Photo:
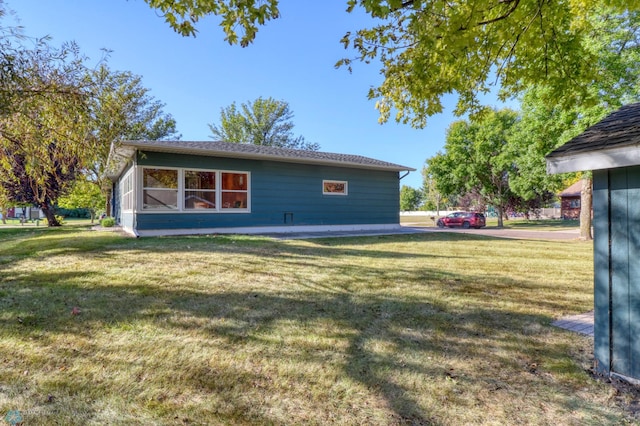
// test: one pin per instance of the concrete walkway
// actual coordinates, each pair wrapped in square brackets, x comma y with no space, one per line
[582,323]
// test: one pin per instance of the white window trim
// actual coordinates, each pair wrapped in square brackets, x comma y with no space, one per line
[139,185]
[343,194]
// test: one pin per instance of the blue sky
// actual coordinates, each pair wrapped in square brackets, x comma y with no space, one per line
[292,60]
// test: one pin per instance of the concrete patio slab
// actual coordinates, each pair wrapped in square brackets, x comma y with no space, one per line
[581,323]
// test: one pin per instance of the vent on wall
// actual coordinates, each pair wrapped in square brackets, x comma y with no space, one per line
[288,218]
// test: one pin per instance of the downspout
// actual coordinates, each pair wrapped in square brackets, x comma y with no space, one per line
[404,175]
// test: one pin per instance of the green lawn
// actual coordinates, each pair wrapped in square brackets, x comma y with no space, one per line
[441,329]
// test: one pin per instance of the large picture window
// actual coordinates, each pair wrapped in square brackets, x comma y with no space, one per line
[234,190]
[160,189]
[199,190]
[194,190]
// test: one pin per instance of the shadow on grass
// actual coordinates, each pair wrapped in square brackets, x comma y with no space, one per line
[385,336]
[242,320]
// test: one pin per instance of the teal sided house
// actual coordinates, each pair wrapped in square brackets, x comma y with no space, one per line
[176,187]
[611,149]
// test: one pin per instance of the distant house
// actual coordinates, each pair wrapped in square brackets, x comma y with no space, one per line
[570,201]
[176,187]
[27,212]
[611,149]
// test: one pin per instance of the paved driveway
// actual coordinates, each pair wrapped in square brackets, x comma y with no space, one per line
[491,232]
[517,233]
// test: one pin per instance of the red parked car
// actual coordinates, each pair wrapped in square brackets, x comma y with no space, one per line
[464,219]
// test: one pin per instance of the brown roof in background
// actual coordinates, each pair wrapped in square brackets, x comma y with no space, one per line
[573,191]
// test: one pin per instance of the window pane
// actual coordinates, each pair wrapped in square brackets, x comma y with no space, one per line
[234,181]
[160,178]
[199,200]
[334,187]
[160,199]
[199,180]
[234,200]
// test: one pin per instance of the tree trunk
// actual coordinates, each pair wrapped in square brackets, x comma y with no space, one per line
[500,213]
[49,213]
[4,211]
[585,209]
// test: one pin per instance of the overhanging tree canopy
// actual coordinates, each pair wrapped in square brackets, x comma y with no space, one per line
[429,48]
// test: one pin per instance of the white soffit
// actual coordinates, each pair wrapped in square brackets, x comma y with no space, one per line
[595,160]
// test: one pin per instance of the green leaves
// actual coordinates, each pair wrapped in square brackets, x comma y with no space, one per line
[476,158]
[83,194]
[261,122]
[410,198]
[239,18]
[58,119]
[427,49]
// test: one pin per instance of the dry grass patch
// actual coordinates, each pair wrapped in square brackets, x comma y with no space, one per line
[441,329]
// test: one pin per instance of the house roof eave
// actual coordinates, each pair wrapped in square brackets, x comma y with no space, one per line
[119,158]
[599,159]
[124,151]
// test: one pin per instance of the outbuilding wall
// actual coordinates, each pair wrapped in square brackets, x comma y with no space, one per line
[283,194]
[616,202]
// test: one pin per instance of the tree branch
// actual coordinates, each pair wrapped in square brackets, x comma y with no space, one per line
[503,16]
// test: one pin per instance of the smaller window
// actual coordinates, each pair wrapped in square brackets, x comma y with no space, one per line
[574,204]
[334,187]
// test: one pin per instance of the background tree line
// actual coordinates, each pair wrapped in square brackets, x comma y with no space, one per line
[568,61]
[59,117]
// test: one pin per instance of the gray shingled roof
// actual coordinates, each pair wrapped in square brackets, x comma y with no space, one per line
[125,149]
[621,128]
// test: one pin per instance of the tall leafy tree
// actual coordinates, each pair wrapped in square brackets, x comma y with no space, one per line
[83,194]
[476,159]
[429,48]
[121,108]
[58,118]
[261,122]
[43,131]
[546,125]
[410,198]
[431,195]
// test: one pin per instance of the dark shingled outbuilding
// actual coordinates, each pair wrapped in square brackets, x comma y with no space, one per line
[612,142]
[611,149]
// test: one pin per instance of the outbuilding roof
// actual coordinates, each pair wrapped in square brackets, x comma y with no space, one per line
[123,151]
[612,142]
